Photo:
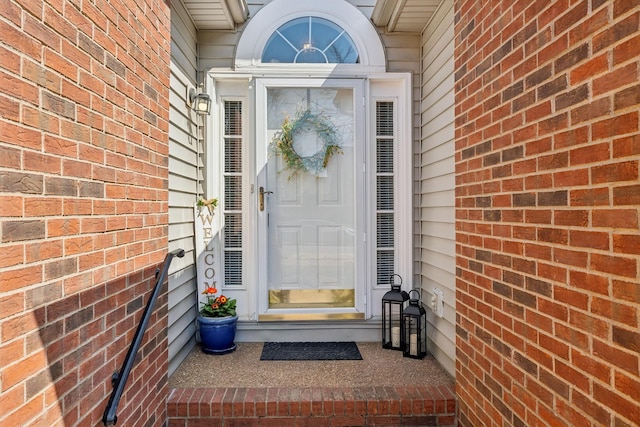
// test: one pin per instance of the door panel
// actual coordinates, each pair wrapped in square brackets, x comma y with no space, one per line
[311,216]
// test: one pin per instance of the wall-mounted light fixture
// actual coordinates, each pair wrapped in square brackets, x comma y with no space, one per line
[200,102]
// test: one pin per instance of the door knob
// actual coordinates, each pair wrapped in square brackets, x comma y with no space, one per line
[261,194]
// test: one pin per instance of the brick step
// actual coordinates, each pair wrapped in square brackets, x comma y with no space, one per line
[322,407]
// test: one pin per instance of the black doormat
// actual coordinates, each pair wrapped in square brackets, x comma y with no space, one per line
[310,351]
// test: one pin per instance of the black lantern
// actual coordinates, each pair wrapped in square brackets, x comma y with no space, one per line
[414,328]
[393,303]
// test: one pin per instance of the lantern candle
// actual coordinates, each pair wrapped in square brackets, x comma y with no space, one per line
[413,344]
[395,336]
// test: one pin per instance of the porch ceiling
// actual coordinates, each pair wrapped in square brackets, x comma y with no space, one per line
[404,16]
[217,14]
[394,15]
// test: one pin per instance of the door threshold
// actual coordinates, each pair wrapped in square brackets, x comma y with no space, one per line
[293,317]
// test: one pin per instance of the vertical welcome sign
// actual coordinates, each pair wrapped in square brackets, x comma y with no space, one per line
[206,241]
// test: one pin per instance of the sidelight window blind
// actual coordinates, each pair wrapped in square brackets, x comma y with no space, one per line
[232,207]
[385,204]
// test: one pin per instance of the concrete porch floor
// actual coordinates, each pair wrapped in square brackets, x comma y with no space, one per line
[383,388]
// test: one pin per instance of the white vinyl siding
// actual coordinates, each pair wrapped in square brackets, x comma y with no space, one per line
[183,40]
[184,180]
[436,239]
[217,48]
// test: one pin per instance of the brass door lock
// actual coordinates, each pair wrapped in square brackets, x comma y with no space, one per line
[261,194]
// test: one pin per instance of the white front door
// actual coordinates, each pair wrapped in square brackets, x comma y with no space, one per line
[310,204]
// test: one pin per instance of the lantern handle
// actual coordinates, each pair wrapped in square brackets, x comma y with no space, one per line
[392,279]
[416,291]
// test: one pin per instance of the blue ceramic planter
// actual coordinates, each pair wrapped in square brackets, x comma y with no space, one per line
[217,334]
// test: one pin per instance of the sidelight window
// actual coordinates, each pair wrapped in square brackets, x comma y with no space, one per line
[385,204]
[232,207]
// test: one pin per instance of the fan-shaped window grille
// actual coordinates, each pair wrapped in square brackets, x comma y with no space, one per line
[310,40]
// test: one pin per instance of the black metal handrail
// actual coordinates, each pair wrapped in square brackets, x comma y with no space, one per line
[119,379]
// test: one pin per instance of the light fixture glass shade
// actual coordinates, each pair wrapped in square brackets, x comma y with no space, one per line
[202,103]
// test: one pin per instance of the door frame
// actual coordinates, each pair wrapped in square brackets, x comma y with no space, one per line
[265,313]
[225,84]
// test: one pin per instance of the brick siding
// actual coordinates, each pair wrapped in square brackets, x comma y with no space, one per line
[83,207]
[547,207]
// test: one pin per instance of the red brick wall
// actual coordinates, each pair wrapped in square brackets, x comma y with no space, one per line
[547,206]
[83,207]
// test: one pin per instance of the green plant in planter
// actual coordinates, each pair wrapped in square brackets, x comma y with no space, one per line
[217,306]
[217,323]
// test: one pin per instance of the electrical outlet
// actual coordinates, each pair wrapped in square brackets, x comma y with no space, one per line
[438,305]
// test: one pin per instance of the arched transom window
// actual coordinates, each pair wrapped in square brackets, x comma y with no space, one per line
[310,39]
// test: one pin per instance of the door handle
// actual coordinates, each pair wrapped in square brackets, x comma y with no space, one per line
[261,194]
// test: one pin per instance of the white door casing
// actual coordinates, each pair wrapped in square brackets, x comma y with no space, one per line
[277,248]
[252,293]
